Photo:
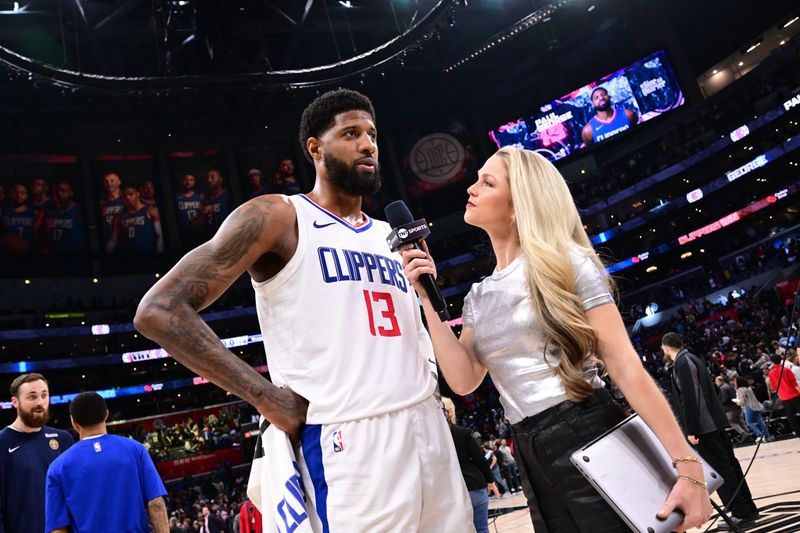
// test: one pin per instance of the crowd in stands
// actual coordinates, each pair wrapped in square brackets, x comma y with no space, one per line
[192,436]
[777,253]
[218,498]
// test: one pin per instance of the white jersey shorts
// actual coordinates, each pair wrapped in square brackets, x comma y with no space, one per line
[396,472]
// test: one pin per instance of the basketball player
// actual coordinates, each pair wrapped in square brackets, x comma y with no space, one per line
[18,220]
[148,193]
[347,350]
[137,229]
[284,177]
[111,205]
[42,204]
[190,205]
[608,120]
[64,224]
[216,206]
[40,201]
[255,178]
[27,447]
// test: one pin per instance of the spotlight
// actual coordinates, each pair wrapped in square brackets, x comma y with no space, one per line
[754,46]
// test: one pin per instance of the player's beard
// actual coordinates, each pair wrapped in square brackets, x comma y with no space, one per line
[350,179]
[34,418]
[606,106]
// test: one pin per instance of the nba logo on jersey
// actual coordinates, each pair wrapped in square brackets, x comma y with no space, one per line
[97,447]
[338,441]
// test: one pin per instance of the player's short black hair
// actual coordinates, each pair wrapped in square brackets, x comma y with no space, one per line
[775,358]
[320,114]
[601,88]
[88,409]
[672,340]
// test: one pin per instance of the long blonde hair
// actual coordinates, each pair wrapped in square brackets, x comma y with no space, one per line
[550,231]
[449,409]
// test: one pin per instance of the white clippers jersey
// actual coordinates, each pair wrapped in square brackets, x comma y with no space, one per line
[341,324]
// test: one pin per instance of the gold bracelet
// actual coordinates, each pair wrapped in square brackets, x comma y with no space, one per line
[687,459]
[693,480]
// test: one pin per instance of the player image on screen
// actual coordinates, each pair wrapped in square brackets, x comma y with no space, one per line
[256,182]
[111,205]
[137,229]
[18,221]
[190,205]
[148,192]
[40,201]
[216,206]
[63,223]
[284,180]
[596,112]
[608,120]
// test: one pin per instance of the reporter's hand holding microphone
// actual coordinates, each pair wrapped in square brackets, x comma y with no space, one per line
[416,262]
[407,237]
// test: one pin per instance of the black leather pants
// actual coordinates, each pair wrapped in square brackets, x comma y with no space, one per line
[559,497]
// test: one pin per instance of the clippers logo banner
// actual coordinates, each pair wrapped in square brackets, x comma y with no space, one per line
[435,160]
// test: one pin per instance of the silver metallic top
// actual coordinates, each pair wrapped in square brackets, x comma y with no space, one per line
[509,341]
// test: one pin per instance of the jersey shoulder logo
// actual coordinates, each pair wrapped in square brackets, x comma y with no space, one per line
[12,450]
[318,225]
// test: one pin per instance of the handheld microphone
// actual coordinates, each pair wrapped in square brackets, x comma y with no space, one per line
[406,230]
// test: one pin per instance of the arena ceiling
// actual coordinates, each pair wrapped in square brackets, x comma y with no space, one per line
[260,50]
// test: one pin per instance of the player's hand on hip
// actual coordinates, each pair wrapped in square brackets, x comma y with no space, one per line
[287,412]
[415,263]
[689,498]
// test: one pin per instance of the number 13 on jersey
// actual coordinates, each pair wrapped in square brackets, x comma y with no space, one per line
[381,304]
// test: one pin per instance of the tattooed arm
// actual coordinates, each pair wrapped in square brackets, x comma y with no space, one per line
[157,514]
[168,313]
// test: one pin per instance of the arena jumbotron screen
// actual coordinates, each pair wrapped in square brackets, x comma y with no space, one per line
[597,111]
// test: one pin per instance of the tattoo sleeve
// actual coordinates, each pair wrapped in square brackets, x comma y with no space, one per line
[168,313]
[157,513]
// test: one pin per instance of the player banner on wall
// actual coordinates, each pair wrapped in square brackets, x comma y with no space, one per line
[202,195]
[130,218]
[41,205]
[267,170]
[598,111]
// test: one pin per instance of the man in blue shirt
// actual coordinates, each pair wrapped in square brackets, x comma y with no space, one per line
[105,483]
[27,447]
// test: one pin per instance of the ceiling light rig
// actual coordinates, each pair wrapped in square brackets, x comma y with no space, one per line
[541,15]
[394,51]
